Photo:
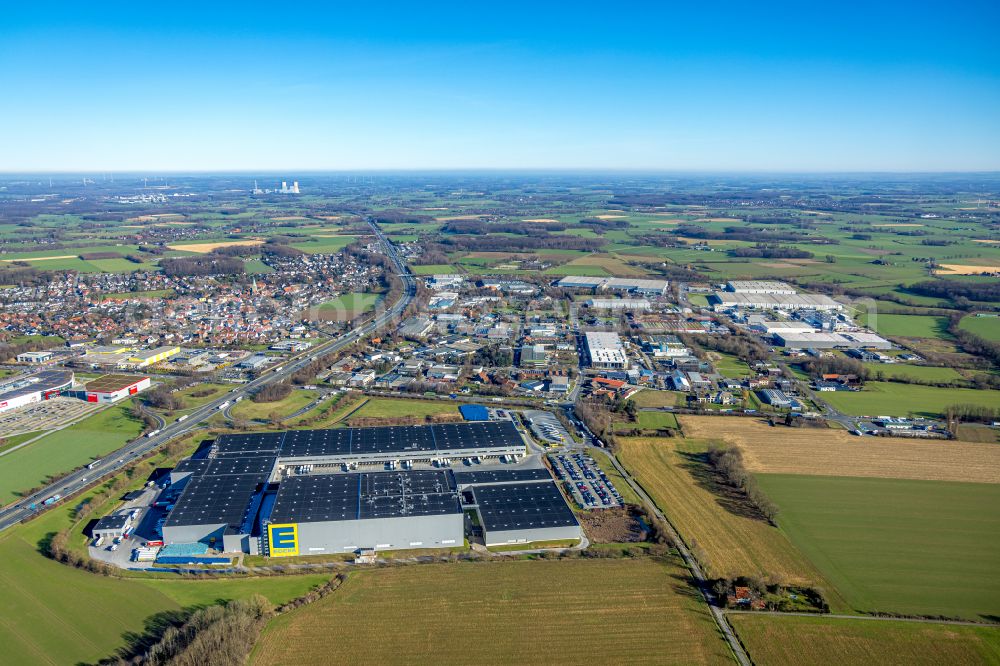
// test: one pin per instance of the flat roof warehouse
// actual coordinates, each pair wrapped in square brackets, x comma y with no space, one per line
[253,486]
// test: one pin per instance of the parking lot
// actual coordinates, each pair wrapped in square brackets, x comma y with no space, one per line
[44,415]
[588,483]
[144,529]
[547,428]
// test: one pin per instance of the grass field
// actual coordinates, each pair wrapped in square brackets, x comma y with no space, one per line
[190,402]
[984,327]
[827,452]
[732,541]
[789,641]
[433,269]
[325,244]
[250,410]
[912,547]
[651,398]
[656,420]
[924,373]
[728,365]
[910,326]
[894,399]
[348,306]
[66,449]
[383,408]
[608,264]
[553,612]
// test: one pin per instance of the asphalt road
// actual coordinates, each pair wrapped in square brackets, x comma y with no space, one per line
[78,480]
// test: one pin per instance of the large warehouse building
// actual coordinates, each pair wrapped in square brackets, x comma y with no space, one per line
[760,287]
[112,388]
[605,350]
[810,340]
[342,513]
[34,388]
[301,492]
[724,300]
[518,506]
[630,285]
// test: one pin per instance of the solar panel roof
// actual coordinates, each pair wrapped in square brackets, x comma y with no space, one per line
[334,497]
[213,500]
[247,443]
[371,441]
[475,435]
[258,465]
[501,476]
[192,465]
[223,485]
[522,506]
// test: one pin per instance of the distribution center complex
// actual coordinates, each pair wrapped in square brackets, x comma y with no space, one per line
[301,492]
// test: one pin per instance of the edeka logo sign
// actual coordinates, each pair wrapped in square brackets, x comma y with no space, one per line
[283,539]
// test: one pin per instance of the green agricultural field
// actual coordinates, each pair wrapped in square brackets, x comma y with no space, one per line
[154,293]
[54,614]
[66,449]
[657,420]
[434,269]
[730,538]
[250,410]
[582,611]
[388,408]
[348,306]
[325,244]
[894,399]
[790,641]
[985,327]
[909,326]
[924,373]
[256,266]
[895,545]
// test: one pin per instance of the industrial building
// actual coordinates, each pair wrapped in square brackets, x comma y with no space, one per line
[724,300]
[518,506]
[782,327]
[605,350]
[774,397]
[113,526]
[40,386]
[618,304]
[343,513]
[254,489]
[147,357]
[112,388]
[34,357]
[632,285]
[760,287]
[811,340]
[533,355]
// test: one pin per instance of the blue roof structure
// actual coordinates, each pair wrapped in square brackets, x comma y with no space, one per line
[474,413]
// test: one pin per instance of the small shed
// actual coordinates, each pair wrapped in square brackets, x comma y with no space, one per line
[112,527]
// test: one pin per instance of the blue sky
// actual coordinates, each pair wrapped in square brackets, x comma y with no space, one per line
[841,86]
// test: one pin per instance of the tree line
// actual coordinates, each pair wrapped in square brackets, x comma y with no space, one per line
[210,264]
[727,461]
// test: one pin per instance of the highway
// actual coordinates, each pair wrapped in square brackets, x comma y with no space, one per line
[112,463]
